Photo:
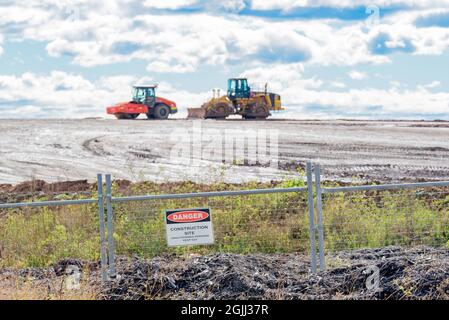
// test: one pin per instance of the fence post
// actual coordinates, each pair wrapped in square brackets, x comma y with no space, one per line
[110,226]
[311,218]
[101,218]
[319,210]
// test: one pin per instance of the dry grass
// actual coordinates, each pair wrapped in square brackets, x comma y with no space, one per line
[16,287]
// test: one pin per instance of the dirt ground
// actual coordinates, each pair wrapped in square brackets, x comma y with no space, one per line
[417,273]
[61,150]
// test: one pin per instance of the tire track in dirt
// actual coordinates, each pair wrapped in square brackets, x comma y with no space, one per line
[372,168]
[95,147]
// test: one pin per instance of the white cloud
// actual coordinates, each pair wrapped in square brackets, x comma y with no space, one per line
[171,4]
[280,75]
[106,34]
[395,84]
[121,31]
[357,75]
[209,5]
[305,97]
[162,66]
[23,112]
[394,102]
[59,94]
[362,103]
[272,50]
[65,95]
[232,5]
[337,84]
[433,84]
[291,4]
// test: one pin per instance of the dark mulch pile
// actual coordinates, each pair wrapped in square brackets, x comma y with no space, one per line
[418,273]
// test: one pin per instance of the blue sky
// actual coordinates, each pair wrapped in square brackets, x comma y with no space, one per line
[327,58]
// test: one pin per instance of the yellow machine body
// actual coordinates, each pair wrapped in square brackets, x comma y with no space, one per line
[248,104]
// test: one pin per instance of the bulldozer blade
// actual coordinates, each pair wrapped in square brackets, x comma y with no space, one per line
[196,113]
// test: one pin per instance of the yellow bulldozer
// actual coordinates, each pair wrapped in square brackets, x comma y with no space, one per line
[240,100]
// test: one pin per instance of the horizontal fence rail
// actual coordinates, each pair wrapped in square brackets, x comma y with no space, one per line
[373,216]
[47,203]
[251,220]
[34,231]
[255,220]
[207,194]
[387,187]
[38,236]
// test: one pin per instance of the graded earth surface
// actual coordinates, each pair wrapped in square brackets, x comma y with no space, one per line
[230,150]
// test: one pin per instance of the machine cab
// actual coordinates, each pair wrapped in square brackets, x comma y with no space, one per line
[238,88]
[144,94]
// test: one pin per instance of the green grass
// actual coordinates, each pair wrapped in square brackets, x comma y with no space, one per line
[376,219]
[243,224]
[39,237]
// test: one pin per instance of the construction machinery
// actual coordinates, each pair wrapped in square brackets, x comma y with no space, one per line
[239,100]
[144,100]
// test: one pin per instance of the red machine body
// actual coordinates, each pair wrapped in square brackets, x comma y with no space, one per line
[144,101]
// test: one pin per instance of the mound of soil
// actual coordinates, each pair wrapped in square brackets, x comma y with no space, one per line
[40,185]
[26,190]
[418,273]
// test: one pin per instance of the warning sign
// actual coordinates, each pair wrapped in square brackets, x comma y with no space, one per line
[189,227]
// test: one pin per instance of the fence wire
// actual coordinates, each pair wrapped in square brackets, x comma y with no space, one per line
[39,236]
[264,223]
[250,223]
[372,219]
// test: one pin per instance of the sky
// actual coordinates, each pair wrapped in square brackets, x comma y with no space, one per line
[386,59]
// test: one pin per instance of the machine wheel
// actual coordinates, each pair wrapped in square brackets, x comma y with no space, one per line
[126,116]
[149,116]
[161,111]
[258,110]
[262,112]
[219,111]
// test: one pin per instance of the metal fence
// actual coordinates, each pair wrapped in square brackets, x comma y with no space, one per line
[41,223]
[245,221]
[318,219]
[374,216]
